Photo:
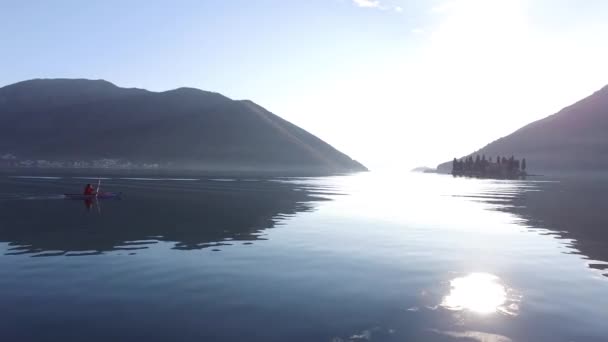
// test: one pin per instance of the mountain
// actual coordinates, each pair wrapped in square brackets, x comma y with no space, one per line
[574,139]
[69,120]
[423,169]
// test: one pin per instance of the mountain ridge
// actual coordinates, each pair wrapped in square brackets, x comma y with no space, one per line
[184,128]
[574,139]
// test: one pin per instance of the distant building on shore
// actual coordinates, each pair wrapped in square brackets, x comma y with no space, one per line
[480,166]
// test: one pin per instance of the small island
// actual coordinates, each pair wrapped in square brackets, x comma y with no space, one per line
[480,166]
[424,169]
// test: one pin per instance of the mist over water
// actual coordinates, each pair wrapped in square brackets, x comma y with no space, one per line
[373,257]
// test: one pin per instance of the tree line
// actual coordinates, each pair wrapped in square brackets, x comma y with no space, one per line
[482,166]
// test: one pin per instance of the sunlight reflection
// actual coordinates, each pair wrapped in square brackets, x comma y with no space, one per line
[478,292]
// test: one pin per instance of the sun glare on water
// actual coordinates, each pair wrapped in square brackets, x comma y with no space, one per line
[477,292]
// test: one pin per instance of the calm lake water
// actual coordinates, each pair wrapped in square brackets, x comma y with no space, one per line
[414,257]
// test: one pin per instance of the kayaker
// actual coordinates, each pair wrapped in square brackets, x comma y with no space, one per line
[89,190]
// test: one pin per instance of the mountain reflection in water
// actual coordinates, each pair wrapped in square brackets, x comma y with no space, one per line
[571,209]
[192,213]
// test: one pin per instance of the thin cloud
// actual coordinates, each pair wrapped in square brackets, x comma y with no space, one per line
[444,7]
[367,3]
[376,4]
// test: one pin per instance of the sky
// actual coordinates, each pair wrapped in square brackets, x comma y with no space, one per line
[392,83]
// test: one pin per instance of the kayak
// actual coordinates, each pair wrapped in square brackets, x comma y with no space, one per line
[101,195]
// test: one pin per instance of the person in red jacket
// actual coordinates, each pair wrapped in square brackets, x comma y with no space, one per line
[89,190]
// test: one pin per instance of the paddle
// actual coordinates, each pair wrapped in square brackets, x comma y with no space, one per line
[98,185]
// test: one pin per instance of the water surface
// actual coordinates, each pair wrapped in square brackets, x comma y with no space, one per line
[349,258]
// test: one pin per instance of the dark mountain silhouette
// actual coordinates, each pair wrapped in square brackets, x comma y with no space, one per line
[574,139]
[78,119]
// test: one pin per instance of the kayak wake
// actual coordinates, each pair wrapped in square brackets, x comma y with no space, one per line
[101,195]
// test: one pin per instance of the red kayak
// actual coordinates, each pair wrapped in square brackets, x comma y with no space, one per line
[101,195]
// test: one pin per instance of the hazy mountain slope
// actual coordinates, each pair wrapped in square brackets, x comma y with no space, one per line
[189,128]
[574,139]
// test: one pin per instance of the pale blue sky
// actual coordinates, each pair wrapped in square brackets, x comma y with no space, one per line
[404,77]
[236,47]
